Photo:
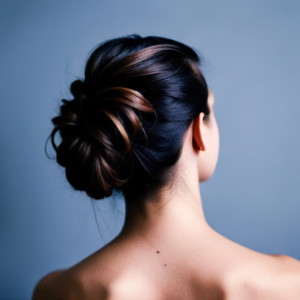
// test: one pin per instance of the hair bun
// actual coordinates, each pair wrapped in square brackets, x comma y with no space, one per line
[96,137]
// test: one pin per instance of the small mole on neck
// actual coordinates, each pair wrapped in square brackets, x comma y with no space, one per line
[165,265]
[157,251]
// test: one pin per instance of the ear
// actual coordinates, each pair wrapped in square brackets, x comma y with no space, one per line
[199,132]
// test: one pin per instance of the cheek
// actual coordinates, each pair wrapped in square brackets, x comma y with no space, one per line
[211,157]
[215,143]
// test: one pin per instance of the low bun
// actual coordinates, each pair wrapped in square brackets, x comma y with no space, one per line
[96,137]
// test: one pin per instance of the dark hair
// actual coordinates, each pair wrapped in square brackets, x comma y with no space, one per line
[125,127]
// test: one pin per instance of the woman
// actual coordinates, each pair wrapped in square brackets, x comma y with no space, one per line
[142,123]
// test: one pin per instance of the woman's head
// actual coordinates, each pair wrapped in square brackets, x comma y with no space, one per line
[124,128]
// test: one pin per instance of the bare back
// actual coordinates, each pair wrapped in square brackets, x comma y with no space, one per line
[221,269]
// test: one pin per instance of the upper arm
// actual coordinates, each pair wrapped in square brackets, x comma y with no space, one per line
[45,288]
[282,279]
[276,278]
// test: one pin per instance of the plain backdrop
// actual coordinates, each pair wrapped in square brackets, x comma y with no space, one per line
[251,57]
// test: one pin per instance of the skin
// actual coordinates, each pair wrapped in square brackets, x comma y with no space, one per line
[166,249]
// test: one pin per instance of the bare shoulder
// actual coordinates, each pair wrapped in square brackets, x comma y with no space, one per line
[63,284]
[265,277]
[105,275]
[47,287]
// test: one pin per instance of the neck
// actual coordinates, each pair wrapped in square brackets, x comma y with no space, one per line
[176,213]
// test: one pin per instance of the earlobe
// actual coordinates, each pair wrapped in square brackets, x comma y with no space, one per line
[199,133]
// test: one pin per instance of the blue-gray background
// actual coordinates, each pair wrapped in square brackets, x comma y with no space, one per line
[251,50]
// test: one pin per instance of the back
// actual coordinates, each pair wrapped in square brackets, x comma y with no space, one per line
[128,271]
